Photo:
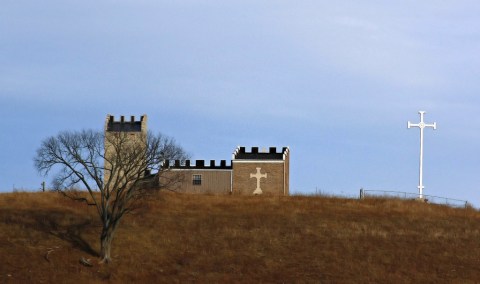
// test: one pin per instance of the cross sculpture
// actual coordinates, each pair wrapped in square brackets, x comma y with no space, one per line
[258,176]
[421,125]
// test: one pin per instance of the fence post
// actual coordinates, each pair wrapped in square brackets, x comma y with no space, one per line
[362,194]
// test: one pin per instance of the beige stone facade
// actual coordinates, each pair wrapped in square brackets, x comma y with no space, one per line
[126,136]
[200,181]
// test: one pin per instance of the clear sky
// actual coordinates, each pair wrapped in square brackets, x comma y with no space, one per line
[336,81]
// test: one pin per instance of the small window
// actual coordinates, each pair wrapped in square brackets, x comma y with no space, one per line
[197,179]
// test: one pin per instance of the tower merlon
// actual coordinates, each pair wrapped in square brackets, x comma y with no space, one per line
[241,153]
[133,125]
[199,165]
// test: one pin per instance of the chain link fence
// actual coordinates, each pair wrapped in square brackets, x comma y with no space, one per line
[408,195]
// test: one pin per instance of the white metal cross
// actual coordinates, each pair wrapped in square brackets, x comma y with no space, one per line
[258,176]
[421,125]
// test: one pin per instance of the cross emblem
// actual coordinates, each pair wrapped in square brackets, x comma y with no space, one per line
[421,125]
[258,176]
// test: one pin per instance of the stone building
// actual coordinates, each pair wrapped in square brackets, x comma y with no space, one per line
[252,172]
[125,135]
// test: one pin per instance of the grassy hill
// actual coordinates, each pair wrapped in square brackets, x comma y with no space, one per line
[182,238]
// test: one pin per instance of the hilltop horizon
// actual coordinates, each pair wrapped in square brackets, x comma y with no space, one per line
[337,82]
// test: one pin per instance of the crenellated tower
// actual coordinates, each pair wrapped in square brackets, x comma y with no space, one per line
[123,138]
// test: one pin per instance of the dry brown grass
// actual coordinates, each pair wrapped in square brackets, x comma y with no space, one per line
[182,238]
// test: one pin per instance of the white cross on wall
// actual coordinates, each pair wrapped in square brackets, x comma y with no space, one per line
[421,125]
[258,176]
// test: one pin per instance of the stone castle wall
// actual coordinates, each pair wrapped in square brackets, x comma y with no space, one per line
[272,184]
[261,172]
[212,181]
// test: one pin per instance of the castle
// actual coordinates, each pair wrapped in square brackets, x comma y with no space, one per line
[253,172]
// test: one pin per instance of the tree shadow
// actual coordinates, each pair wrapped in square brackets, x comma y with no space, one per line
[66,226]
[71,232]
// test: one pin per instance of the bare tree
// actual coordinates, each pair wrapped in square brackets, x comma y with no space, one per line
[114,169]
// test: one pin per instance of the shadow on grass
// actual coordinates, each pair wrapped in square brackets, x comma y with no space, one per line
[66,226]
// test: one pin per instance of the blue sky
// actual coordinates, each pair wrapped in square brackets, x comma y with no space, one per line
[336,81]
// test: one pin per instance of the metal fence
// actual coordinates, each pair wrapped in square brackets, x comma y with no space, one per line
[408,195]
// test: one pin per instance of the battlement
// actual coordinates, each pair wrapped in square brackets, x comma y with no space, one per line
[271,153]
[122,125]
[199,165]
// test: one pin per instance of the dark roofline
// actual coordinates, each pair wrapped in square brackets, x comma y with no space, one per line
[240,153]
[199,165]
[132,125]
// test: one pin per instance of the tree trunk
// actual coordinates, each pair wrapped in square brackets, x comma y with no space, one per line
[106,244]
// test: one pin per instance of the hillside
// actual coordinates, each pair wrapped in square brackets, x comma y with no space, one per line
[183,238]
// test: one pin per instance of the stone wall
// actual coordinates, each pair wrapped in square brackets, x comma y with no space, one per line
[245,180]
[261,171]
[211,181]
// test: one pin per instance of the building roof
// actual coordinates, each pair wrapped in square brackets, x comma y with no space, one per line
[271,154]
[131,125]
[199,165]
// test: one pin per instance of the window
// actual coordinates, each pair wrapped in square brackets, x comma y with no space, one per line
[197,179]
